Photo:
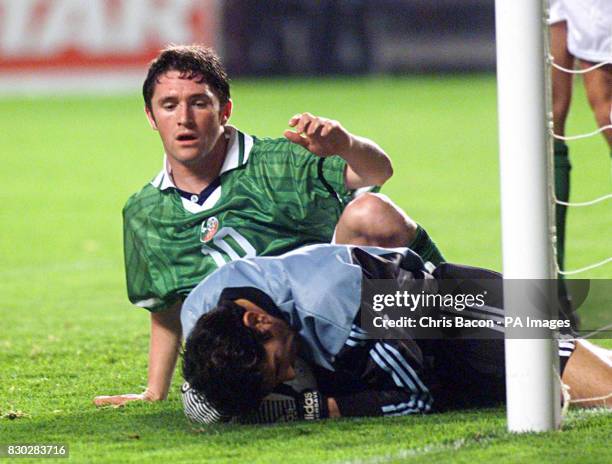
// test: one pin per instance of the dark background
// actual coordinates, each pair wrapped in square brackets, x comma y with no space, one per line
[320,37]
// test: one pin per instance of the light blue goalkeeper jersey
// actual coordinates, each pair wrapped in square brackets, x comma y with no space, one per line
[317,289]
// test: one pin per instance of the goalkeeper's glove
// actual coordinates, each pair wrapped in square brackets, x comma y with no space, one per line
[285,404]
[198,408]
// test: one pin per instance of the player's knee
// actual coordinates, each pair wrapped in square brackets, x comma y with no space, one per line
[603,116]
[560,111]
[600,102]
[603,112]
[373,219]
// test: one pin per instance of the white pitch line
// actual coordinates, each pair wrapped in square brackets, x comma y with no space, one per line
[414,452]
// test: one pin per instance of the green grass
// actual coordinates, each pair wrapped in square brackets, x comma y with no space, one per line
[69,333]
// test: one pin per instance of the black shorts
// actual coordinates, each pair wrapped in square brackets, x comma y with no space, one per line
[470,373]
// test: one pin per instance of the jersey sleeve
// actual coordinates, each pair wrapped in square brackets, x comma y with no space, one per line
[329,171]
[377,403]
[375,377]
[141,287]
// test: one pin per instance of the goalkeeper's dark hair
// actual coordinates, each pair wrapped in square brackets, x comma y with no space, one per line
[223,360]
[192,62]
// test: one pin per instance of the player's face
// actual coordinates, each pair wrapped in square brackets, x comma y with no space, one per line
[281,351]
[281,346]
[189,118]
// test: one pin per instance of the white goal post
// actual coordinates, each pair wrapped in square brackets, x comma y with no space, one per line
[526,204]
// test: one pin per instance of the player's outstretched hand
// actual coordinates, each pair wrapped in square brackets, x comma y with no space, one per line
[321,136]
[121,400]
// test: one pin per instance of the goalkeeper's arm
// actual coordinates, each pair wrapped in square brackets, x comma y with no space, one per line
[283,405]
[287,404]
[295,400]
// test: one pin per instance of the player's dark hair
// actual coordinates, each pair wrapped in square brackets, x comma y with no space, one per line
[223,360]
[192,62]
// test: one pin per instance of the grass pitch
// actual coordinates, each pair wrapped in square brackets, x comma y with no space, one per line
[69,333]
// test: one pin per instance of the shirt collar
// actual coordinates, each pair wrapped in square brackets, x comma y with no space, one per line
[238,151]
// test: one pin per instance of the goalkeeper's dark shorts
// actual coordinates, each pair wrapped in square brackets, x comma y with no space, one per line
[471,373]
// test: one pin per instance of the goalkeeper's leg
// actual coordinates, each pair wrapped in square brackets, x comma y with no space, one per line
[588,374]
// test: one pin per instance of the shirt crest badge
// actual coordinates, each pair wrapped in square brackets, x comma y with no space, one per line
[209,229]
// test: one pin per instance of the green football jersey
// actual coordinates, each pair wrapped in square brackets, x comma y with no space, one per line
[274,196]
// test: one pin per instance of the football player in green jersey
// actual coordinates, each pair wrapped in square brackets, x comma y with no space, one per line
[224,195]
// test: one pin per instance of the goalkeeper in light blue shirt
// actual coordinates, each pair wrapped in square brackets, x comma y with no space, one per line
[248,323]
